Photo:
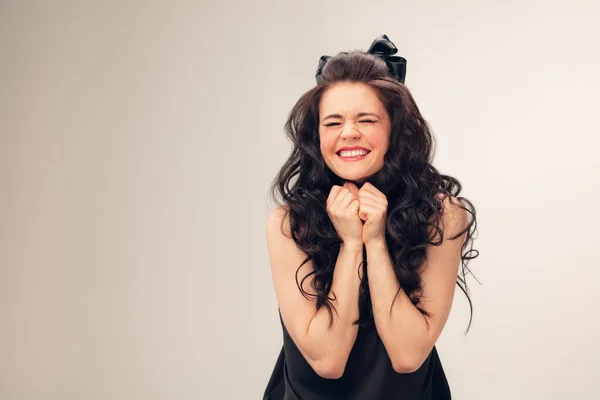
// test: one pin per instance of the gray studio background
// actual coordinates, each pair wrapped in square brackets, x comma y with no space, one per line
[138,140]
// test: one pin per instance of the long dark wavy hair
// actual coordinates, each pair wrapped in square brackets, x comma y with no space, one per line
[408,179]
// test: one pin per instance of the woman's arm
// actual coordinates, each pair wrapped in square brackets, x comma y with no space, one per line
[407,334]
[325,348]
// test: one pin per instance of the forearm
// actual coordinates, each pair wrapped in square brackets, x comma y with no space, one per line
[402,327]
[332,344]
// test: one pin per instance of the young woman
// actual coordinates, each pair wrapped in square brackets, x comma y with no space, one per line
[366,249]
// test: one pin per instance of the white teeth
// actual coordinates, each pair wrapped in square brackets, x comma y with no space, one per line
[353,153]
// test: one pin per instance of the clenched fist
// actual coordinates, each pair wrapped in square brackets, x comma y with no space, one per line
[342,208]
[350,207]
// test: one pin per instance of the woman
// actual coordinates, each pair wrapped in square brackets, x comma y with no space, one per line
[366,248]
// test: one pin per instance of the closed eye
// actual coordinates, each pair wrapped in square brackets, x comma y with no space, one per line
[363,121]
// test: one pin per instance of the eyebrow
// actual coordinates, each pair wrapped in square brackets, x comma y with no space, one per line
[362,114]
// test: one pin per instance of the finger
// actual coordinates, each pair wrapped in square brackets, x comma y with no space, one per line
[370,198]
[369,188]
[354,206]
[372,212]
[352,188]
[345,198]
[363,213]
[335,190]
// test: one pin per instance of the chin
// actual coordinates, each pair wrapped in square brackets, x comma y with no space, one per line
[360,179]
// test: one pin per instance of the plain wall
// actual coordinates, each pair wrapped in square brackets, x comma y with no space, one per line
[138,141]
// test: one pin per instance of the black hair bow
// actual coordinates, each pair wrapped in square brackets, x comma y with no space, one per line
[383,48]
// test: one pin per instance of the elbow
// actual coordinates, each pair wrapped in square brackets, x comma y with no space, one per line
[329,368]
[406,364]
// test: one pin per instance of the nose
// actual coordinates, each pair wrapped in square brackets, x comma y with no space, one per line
[349,131]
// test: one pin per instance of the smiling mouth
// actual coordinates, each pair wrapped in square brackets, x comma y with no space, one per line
[354,157]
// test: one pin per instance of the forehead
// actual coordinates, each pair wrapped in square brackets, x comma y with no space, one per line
[349,97]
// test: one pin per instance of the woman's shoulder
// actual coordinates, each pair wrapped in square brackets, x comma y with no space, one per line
[453,215]
[278,216]
[279,211]
[278,223]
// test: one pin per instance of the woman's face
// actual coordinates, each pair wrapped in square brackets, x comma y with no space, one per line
[351,115]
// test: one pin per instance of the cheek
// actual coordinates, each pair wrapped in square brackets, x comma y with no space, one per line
[327,144]
[381,143]
[381,140]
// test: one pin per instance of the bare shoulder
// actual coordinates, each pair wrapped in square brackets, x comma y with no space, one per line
[278,222]
[454,218]
[283,250]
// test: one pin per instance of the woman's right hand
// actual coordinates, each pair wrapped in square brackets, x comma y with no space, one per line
[342,207]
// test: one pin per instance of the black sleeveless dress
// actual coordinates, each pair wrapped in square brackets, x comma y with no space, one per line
[368,375]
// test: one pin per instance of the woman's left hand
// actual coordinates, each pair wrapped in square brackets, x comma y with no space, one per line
[373,211]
